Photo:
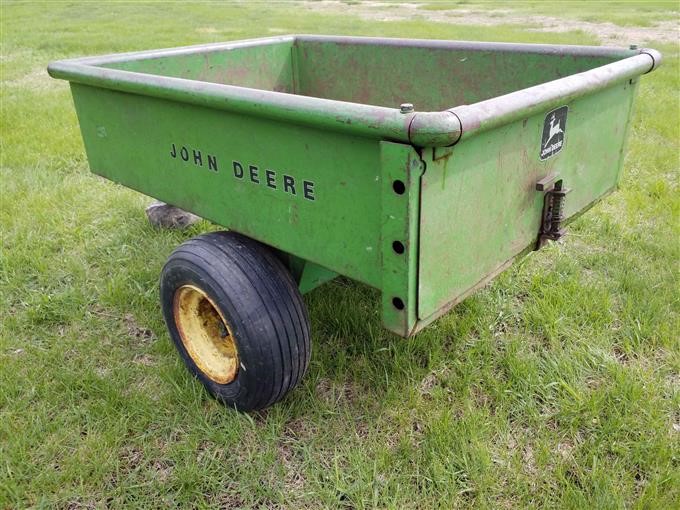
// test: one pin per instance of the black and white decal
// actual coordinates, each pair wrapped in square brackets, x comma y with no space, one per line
[554,127]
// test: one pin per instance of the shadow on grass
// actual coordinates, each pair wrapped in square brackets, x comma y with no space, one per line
[357,365]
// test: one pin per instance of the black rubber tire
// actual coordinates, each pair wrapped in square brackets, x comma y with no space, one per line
[263,306]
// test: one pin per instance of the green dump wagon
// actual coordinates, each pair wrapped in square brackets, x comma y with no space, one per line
[421,168]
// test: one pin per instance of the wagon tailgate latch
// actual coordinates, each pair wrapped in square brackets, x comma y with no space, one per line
[553,209]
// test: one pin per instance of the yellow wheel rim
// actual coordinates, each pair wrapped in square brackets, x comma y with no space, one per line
[205,334]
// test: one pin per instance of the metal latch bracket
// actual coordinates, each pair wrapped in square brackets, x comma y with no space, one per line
[552,216]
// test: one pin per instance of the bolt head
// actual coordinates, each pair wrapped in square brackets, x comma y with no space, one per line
[406,108]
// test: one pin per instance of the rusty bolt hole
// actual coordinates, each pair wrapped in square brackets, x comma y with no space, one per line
[399,187]
[398,303]
[398,247]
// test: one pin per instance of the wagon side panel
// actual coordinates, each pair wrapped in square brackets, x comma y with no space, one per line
[312,193]
[261,66]
[480,207]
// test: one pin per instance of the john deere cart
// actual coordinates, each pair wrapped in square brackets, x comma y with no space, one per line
[421,168]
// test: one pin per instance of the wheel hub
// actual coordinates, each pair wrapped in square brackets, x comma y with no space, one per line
[205,334]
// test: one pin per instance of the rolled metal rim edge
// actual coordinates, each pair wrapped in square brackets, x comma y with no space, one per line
[423,129]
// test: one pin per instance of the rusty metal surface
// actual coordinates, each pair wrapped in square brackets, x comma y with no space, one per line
[527,102]
[297,142]
[206,334]
[353,105]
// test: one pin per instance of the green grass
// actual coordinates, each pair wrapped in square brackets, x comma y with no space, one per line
[558,385]
[623,13]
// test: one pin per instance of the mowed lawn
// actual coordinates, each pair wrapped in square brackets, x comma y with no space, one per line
[558,385]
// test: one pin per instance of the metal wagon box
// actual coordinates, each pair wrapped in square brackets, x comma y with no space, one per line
[422,168]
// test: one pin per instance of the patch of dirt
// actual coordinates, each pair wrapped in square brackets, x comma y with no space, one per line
[333,393]
[431,380]
[228,501]
[102,371]
[77,505]
[564,449]
[608,33]
[133,329]
[137,331]
[163,469]
[482,399]
[293,478]
[144,359]
[131,458]
[529,460]
[620,355]
[301,428]
[672,383]
[428,382]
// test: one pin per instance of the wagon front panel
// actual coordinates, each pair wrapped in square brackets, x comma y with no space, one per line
[481,205]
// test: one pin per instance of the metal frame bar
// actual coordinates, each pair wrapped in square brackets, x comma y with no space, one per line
[400,219]
[422,129]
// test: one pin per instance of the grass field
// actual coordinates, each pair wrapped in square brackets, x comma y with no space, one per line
[556,386]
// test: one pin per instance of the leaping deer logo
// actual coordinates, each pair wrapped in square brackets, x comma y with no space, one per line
[555,129]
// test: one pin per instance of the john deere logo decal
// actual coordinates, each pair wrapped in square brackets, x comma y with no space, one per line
[554,126]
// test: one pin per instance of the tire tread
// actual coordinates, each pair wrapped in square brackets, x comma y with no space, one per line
[235,262]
